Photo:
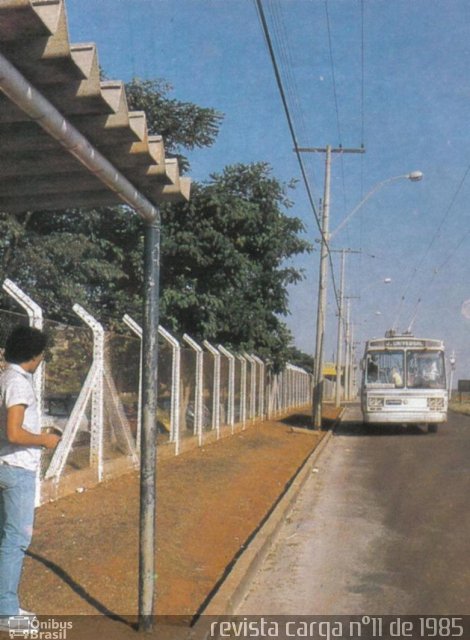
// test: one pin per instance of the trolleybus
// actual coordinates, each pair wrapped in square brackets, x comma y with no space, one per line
[404,381]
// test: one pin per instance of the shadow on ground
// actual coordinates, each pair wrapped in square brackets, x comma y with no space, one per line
[376,430]
[304,420]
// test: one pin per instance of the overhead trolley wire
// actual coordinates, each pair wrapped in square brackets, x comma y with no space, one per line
[431,243]
[452,253]
[272,56]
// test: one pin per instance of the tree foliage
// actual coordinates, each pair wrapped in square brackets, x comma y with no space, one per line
[182,124]
[300,359]
[225,271]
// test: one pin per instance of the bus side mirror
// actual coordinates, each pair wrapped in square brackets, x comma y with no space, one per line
[363,364]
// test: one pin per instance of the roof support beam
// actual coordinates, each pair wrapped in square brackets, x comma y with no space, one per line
[148,430]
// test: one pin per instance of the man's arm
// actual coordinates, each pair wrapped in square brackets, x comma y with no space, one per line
[17,435]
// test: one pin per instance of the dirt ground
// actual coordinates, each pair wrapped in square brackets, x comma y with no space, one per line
[84,556]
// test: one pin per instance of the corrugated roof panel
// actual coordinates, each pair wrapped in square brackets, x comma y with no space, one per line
[39,172]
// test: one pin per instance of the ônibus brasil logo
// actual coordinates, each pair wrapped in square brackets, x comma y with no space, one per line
[31,628]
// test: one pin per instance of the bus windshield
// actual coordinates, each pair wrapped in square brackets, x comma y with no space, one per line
[385,367]
[425,370]
[419,370]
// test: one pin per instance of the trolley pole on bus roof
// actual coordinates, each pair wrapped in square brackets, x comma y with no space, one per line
[323,278]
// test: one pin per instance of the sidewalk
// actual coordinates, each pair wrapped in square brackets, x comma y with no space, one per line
[84,557]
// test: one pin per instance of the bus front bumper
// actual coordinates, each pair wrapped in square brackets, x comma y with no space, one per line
[404,417]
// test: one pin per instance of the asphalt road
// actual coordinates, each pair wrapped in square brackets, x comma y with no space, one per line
[382,526]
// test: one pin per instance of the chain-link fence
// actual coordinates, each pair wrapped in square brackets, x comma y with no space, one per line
[91,392]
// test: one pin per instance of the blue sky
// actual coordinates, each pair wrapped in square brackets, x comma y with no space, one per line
[409,102]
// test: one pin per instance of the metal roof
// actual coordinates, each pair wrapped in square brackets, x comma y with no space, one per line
[38,168]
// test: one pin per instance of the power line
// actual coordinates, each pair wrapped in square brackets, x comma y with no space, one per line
[439,269]
[281,36]
[272,56]
[333,75]
[431,243]
[335,95]
[362,75]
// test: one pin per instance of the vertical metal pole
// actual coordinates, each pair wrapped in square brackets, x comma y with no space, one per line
[215,388]
[321,308]
[252,408]
[35,316]
[97,393]
[351,363]
[231,386]
[199,387]
[242,391]
[339,343]
[137,330]
[262,383]
[347,364]
[148,497]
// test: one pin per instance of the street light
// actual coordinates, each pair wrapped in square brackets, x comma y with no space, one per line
[413,176]
[326,236]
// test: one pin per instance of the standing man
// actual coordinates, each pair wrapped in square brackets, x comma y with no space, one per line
[20,453]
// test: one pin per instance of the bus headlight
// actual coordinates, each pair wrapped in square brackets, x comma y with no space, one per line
[436,404]
[375,402]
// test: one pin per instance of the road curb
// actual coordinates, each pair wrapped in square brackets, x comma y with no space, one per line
[231,592]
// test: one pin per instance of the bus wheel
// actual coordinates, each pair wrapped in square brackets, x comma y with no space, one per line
[432,428]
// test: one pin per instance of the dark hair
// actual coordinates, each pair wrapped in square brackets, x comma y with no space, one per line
[23,344]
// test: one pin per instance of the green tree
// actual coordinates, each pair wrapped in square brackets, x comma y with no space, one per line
[61,258]
[225,270]
[301,359]
[183,125]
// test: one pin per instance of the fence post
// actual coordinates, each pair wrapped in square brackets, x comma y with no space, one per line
[283,397]
[231,385]
[198,399]
[271,393]
[243,391]
[216,388]
[35,317]
[290,386]
[137,330]
[252,385]
[261,385]
[175,387]
[175,380]
[97,427]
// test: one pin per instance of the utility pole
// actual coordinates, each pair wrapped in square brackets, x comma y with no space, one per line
[352,359]
[346,362]
[339,342]
[323,277]
[349,351]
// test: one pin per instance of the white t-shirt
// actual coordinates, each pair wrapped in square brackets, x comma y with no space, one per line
[17,387]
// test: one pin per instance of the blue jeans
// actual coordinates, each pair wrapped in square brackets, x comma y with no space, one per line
[17,498]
